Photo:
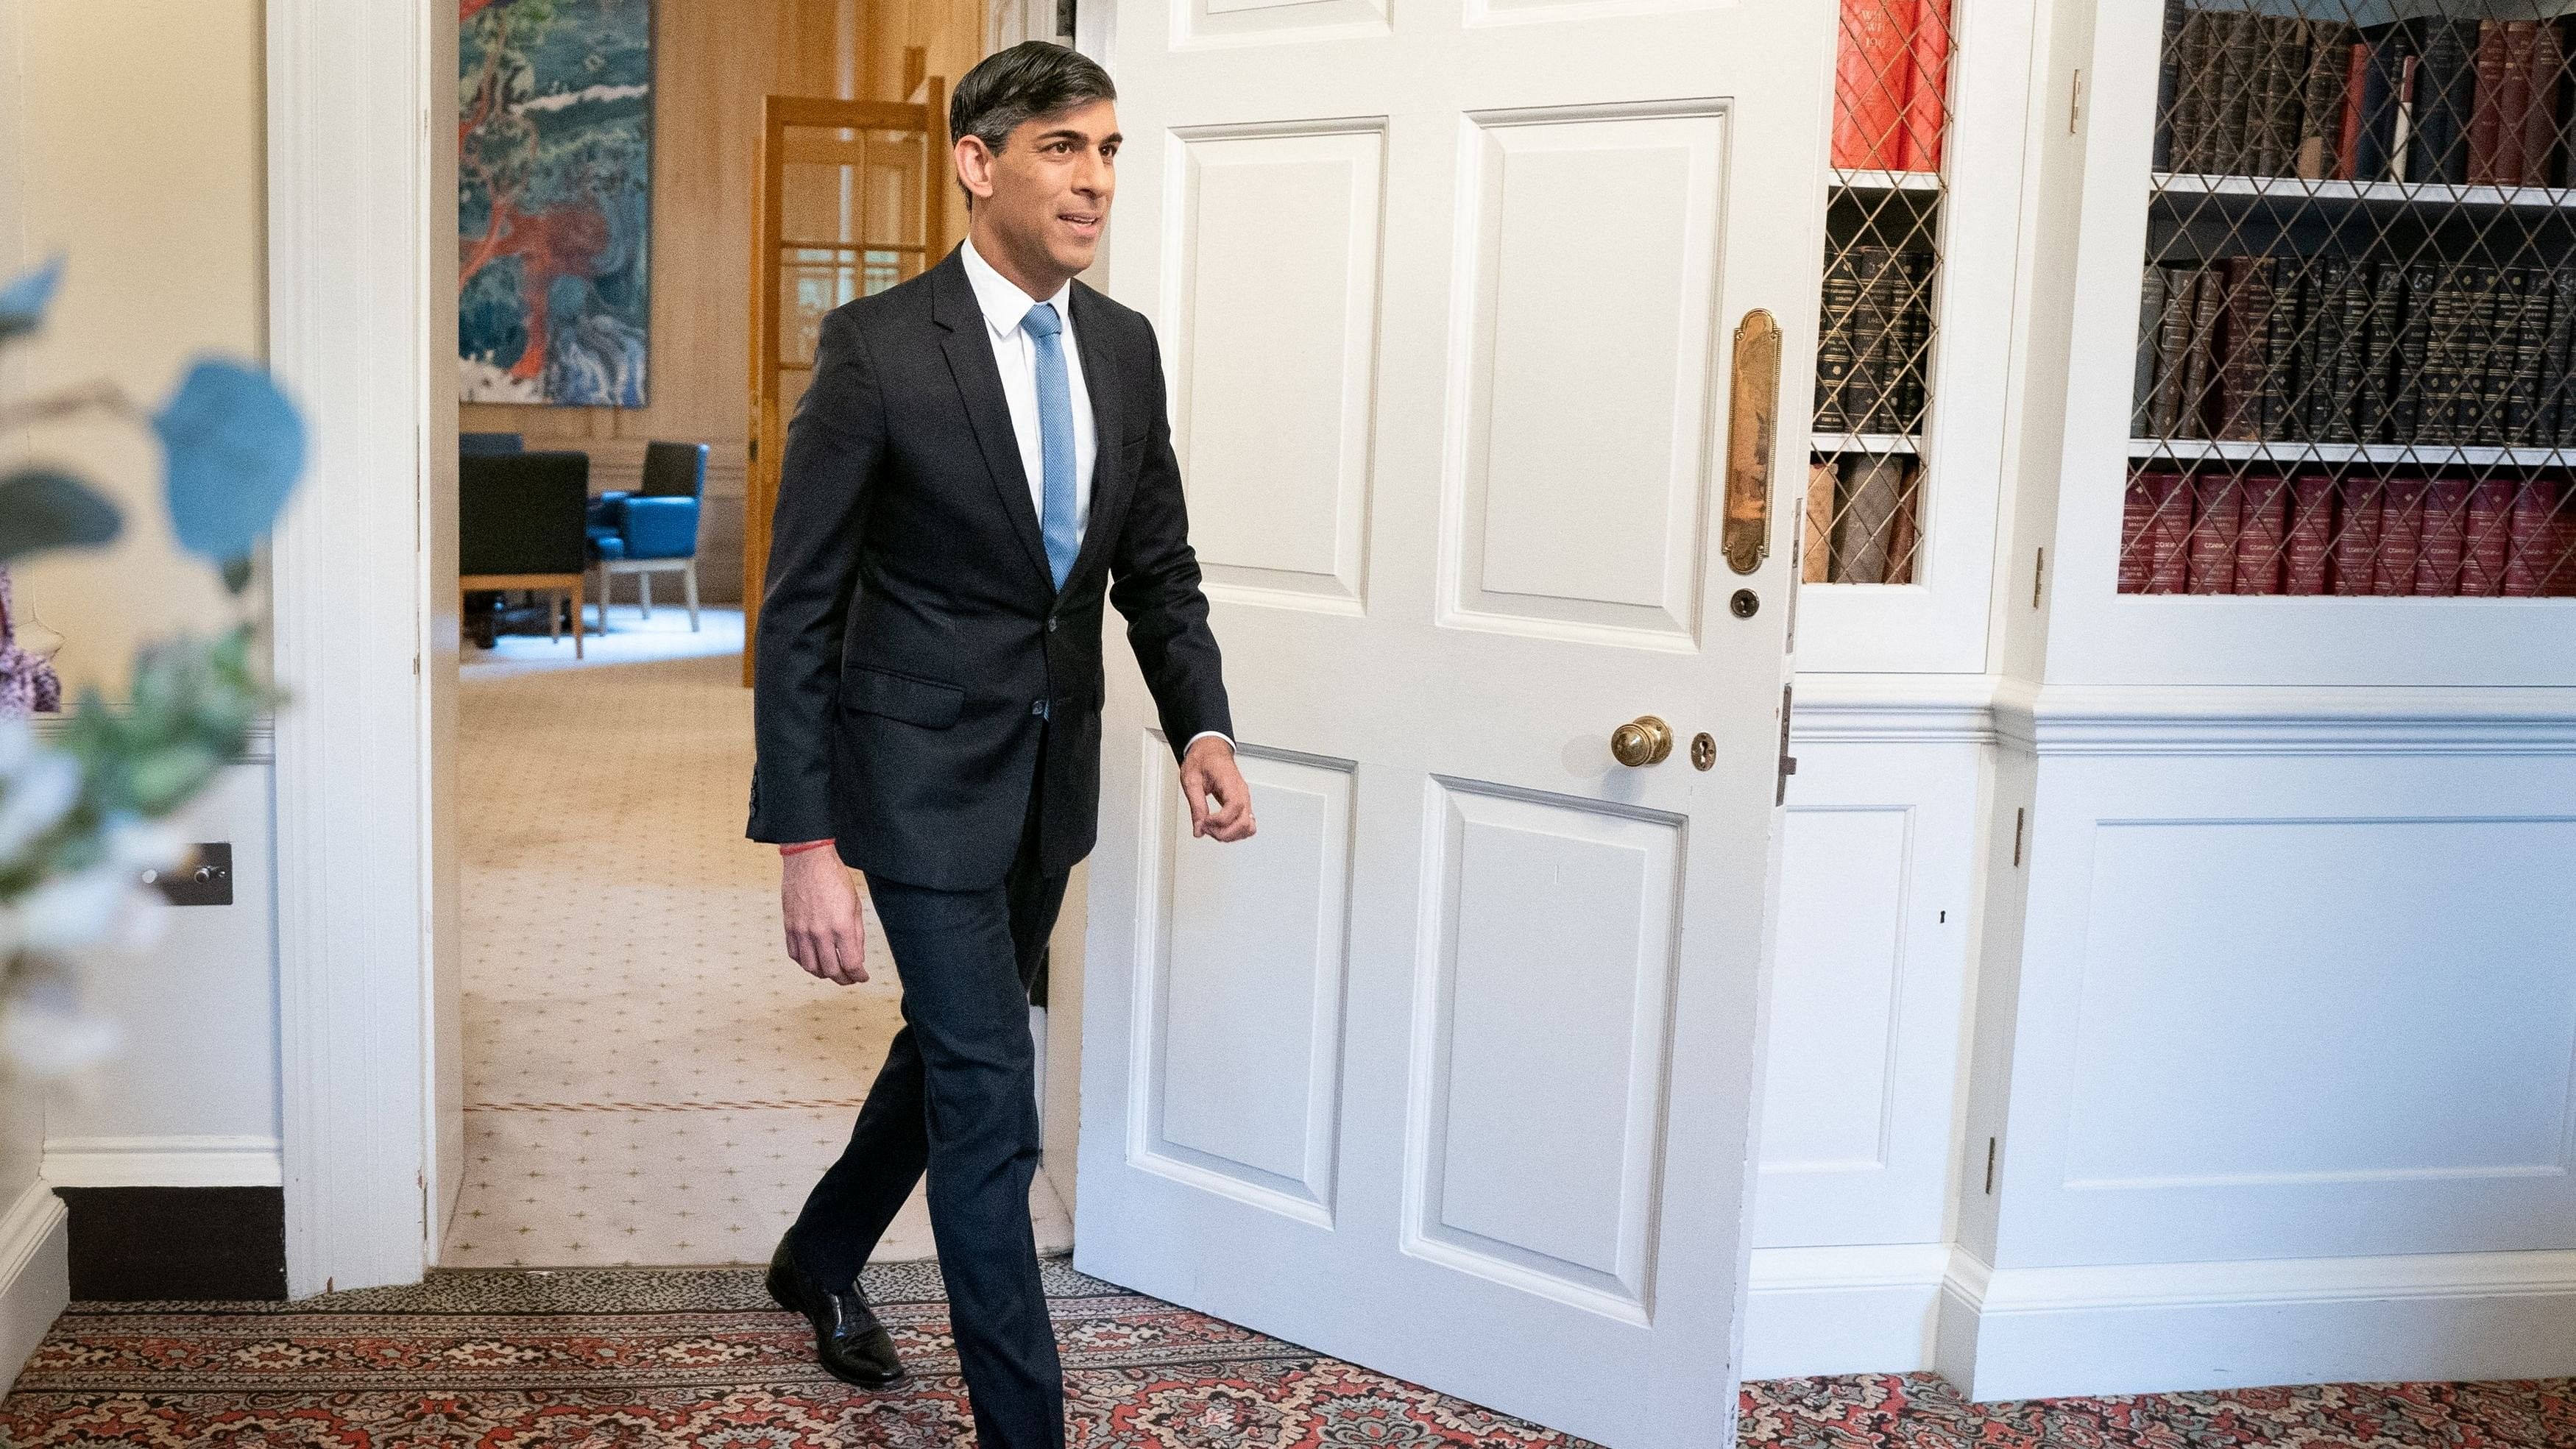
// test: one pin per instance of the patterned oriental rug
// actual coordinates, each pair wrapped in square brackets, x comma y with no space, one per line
[699,1357]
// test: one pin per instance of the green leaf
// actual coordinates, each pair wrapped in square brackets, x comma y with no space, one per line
[237,574]
[44,508]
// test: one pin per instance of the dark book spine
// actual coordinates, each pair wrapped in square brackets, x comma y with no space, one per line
[2557,422]
[2437,563]
[2487,546]
[2383,99]
[2522,303]
[1868,410]
[2240,85]
[2356,543]
[2445,98]
[2305,558]
[2401,536]
[2483,110]
[2284,327]
[2526,564]
[2152,301]
[2217,520]
[2246,331]
[2199,381]
[2481,358]
[2282,63]
[2169,533]
[2321,98]
[2417,298]
[2373,345]
[2437,401]
[2323,414]
[2196,79]
[1913,338]
[2168,84]
[2169,406]
[2262,534]
[2565,172]
[2546,69]
[1834,351]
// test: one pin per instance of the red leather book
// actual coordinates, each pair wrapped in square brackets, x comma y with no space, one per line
[2357,544]
[1927,94]
[2527,563]
[2356,76]
[2303,567]
[2486,547]
[2137,521]
[2169,535]
[1871,65]
[2446,537]
[2485,113]
[2217,519]
[2401,536]
[2513,100]
[2262,534]
[2558,555]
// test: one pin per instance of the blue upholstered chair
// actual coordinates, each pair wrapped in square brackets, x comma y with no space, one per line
[482,445]
[653,529]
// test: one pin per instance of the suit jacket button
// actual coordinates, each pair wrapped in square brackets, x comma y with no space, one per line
[1051,625]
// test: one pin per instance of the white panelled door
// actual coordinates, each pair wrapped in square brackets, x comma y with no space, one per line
[1451,1069]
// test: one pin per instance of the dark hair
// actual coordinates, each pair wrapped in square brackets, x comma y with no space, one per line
[1032,78]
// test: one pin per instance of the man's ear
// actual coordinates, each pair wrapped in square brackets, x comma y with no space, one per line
[974,166]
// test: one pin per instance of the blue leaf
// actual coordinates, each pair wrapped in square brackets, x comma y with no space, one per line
[235,447]
[23,301]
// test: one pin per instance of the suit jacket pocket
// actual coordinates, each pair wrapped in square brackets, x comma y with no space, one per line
[923,702]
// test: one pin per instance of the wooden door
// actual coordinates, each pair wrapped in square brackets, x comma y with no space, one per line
[1451,1069]
[848,198]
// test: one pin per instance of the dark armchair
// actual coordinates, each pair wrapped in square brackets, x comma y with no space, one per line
[653,529]
[519,525]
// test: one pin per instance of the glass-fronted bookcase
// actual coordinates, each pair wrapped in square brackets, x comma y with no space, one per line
[1920,209]
[2322,346]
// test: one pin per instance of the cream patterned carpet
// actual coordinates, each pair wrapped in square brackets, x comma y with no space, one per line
[648,1079]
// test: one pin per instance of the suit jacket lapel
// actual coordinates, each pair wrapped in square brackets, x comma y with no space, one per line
[979,384]
[1109,481]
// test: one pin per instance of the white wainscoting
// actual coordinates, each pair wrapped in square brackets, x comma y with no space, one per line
[35,1273]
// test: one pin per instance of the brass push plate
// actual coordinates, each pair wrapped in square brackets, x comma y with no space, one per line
[1752,430]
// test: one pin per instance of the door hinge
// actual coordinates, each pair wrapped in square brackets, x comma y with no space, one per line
[2018,818]
[2075,102]
[2038,571]
[1990,1167]
[1788,762]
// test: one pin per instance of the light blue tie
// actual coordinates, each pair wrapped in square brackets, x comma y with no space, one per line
[1055,440]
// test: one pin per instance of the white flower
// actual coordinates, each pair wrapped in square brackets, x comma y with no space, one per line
[35,794]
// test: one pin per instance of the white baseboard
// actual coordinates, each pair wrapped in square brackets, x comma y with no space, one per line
[204,1161]
[2016,1333]
[35,1274]
[1867,1309]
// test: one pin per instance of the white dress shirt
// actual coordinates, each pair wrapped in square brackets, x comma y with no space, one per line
[1015,352]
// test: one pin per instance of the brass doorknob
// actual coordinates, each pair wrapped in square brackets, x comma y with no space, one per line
[1644,740]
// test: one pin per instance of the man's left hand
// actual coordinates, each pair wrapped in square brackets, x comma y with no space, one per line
[1220,802]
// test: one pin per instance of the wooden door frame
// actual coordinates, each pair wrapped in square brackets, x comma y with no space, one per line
[768,201]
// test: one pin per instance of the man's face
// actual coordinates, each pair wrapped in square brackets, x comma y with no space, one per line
[1051,184]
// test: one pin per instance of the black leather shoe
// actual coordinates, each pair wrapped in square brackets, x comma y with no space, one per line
[852,1345]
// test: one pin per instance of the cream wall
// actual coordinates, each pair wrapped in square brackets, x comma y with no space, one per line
[141,149]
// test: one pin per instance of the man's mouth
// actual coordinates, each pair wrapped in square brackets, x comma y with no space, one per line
[1085,222]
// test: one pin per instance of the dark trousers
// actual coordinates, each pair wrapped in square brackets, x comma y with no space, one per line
[958,1096]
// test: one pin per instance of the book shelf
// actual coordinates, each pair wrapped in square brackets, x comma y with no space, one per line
[1883,234]
[2356,352]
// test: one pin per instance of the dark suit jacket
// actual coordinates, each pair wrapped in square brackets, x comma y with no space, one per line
[917,670]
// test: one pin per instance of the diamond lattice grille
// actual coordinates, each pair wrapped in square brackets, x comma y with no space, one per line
[2358,316]
[1882,261]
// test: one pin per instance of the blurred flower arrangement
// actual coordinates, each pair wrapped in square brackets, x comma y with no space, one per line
[85,814]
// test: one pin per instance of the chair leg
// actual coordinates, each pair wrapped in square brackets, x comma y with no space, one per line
[644,587]
[689,581]
[554,615]
[576,615]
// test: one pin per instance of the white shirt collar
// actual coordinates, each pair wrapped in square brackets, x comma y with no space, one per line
[1004,305]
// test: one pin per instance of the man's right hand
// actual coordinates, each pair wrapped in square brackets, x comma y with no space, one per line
[821,904]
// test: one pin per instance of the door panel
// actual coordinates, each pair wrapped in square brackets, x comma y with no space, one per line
[1451,1069]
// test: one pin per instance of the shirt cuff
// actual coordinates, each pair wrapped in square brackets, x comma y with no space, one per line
[802,846]
[1210,734]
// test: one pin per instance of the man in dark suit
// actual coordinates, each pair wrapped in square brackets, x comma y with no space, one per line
[983,454]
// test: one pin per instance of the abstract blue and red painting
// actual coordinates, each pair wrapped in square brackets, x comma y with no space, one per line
[554,130]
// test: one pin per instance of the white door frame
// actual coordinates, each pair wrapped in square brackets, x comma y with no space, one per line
[362,317]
